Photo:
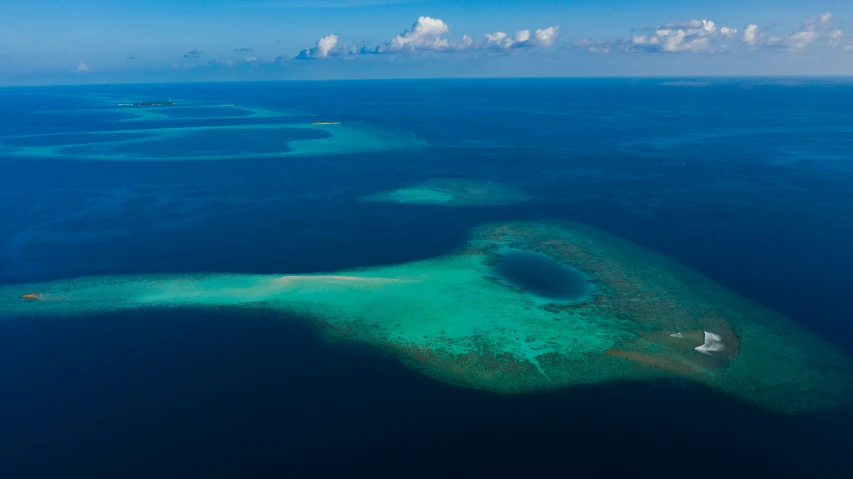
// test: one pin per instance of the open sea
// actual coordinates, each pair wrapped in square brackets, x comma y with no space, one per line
[748,181]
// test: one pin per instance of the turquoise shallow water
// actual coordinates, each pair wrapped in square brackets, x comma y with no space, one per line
[214,111]
[63,139]
[141,134]
[202,143]
[743,181]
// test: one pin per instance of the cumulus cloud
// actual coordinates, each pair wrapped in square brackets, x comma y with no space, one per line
[684,36]
[543,37]
[322,49]
[750,35]
[820,21]
[836,37]
[425,34]
[728,32]
[428,34]
[703,36]
[502,40]
[194,53]
[802,39]
[250,60]
[812,29]
[82,67]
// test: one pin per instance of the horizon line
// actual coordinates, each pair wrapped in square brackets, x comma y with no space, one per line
[547,77]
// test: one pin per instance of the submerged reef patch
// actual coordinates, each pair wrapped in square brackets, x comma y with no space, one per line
[120,109]
[452,192]
[123,131]
[461,319]
[212,142]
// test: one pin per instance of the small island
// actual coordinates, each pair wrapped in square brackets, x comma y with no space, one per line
[29,296]
[150,103]
[324,123]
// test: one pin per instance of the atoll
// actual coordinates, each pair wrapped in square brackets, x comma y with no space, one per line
[620,313]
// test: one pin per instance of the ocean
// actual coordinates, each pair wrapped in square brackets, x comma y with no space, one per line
[746,181]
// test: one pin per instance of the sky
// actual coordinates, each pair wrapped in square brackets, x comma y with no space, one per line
[125,41]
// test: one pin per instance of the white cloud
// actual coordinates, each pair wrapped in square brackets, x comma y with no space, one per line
[425,34]
[251,60]
[820,21]
[703,36]
[82,67]
[326,44]
[429,34]
[322,49]
[499,39]
[705,25]
[801,39]
[750,35]
[835,38]
[685,36]
[812,29]
[543,37]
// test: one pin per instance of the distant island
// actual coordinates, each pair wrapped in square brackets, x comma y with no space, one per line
[324,123]
[149,103]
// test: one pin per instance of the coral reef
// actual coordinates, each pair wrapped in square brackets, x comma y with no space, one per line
[642,317]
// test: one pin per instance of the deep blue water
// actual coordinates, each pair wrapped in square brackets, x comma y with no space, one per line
[541,275]
[747,181]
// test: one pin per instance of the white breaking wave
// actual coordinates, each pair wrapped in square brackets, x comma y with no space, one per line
[713,343]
